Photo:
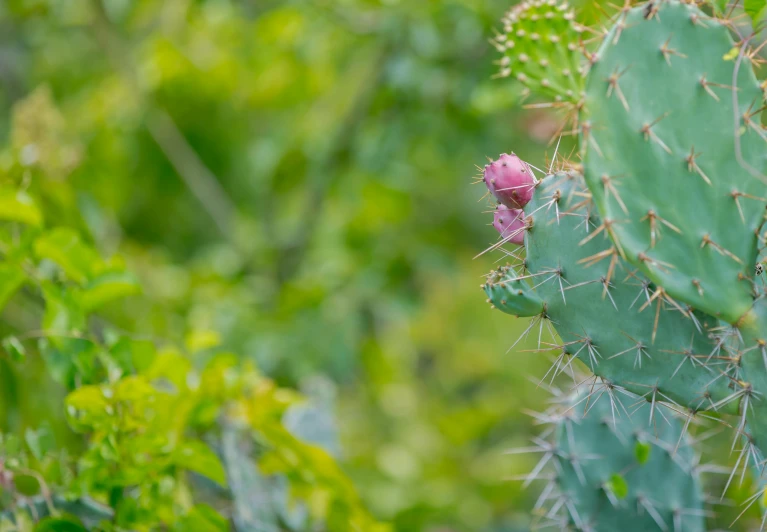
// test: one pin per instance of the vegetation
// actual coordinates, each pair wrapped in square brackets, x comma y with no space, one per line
[284,182]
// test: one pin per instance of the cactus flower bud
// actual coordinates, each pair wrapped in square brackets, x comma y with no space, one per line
[510,180]
[510,223]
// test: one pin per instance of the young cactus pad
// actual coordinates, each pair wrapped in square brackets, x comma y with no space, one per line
[614,472]
[541,47]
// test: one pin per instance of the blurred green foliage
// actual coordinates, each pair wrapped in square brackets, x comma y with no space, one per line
[289,181]
[150,420]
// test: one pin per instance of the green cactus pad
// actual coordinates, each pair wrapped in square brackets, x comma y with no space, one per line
[512,295]
[652,349]
[616,473]
[749,370]
[674,172]
[541,46]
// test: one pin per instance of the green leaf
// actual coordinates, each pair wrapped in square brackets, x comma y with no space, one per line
[133,356]
[60,524]
[170,366]
[26,484]
[200,340]
[64,247]
[70,361]
[87,398]
[62,313]
[642,452]
[39,441]
[108,287]
[14,348]
[87,408]
[133,388]
[618,485]
[17,206]
[755,10]
[11,278]
[202,518]
[196,456]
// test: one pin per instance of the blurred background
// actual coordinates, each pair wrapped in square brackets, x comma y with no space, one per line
[292,180]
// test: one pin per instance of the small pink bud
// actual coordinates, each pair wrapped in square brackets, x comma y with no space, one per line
[510,180]
[510,223]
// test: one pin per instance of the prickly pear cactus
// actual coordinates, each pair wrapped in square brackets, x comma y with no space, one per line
[607,466]
[645,265]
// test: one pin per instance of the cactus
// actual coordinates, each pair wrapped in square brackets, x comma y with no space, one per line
[645,264]
[606,467]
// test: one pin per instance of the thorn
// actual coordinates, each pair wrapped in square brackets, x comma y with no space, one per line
[653,217]
[610,187]
[621,24]
[707,241]
[707,87]
[692,165]
[668,52]
[653,262]
[753,53]
[688,354]
[641,350]
[595,258]
[697,285]
[612,83]
[607,226]
[589,138]
[591,350]
[756,126]
[656,295]
[643,290]
[648,133]
[695,19]
[649,505]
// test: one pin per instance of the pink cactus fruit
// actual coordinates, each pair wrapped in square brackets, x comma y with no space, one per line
[510,180]
[510,223]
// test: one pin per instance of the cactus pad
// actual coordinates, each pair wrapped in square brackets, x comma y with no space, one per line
[613,472]
[671,166]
